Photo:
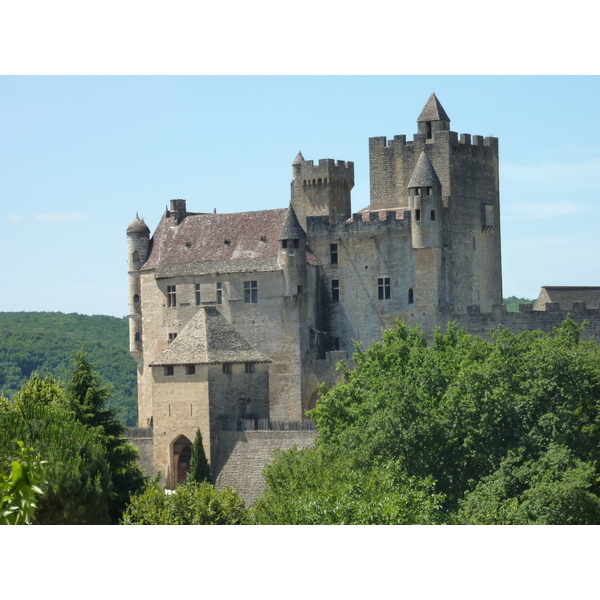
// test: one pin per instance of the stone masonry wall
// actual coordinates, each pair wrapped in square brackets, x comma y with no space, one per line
[241,457]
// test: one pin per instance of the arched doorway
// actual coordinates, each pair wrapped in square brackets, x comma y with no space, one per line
[182,453]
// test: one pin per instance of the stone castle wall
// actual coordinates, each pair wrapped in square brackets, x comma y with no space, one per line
[479,323]
[241,457]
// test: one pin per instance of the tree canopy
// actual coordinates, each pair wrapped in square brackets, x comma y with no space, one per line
[191,503]
[91,469]
[45,342]
[503,430]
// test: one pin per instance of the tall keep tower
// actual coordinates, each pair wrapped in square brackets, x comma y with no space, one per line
[322,190]
[467,169]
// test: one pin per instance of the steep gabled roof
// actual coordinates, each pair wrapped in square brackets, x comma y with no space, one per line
[433,111]
[209,339]
[217,237]
[424,174]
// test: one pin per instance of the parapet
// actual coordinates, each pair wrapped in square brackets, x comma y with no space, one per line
[466,139]
[400,217]
[326,169]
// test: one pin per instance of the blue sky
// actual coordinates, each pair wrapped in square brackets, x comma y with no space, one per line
[80,155]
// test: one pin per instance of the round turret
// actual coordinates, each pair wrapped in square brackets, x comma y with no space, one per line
[292,253]
[425,203]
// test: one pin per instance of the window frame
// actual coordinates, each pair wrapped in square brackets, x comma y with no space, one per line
[171,296]
[251,292]
[384,288]
[335,290]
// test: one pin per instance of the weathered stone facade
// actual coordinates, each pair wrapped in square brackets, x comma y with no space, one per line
[235,319]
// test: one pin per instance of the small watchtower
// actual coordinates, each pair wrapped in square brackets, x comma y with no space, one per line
[321,190]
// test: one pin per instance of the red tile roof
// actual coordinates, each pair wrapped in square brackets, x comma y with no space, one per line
[217,237]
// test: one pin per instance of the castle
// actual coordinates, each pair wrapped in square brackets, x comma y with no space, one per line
[235,319]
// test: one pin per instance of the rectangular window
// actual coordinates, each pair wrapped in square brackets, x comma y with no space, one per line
[172,336]
[171,297]
[296,243]
[433,215]
[384,288]
[219,292]
[335,290]
[250,292]
[198,294]
[299,288]
[284,243]
[190,369]
[169,370]
[333,253]
[226,368]
[249,367]
[417,214]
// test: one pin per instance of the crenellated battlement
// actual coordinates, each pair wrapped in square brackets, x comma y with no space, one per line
[362,220]
[465,139]
[326,171]
[480,323]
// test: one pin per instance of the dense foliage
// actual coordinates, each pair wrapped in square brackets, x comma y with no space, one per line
[19,487]
[91,469]
[45,342]
[508,429]
[190,503]
[323,486]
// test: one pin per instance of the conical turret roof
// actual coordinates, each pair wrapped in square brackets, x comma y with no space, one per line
[291,227]
[424,174]
[299,159]
[138,226]
[433,111]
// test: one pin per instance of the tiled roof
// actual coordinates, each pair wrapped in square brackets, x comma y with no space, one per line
[566,295]
[209,339]
[217,237]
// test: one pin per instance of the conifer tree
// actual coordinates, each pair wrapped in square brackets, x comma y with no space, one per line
[87,397]
[199,467]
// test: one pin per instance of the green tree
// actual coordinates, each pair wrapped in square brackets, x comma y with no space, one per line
[199,467]
[323,486]
[454,410]
[190,503]
[553,490]
[20,485]
[87,397]
[77,474]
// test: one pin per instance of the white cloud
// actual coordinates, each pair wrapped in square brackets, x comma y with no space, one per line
[14,217]
[58,217]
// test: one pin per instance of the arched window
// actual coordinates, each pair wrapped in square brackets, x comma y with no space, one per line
[411,296]
[138,336]
[135,256]
[136,298]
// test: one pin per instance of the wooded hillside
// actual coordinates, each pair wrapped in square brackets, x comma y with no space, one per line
[48,341]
